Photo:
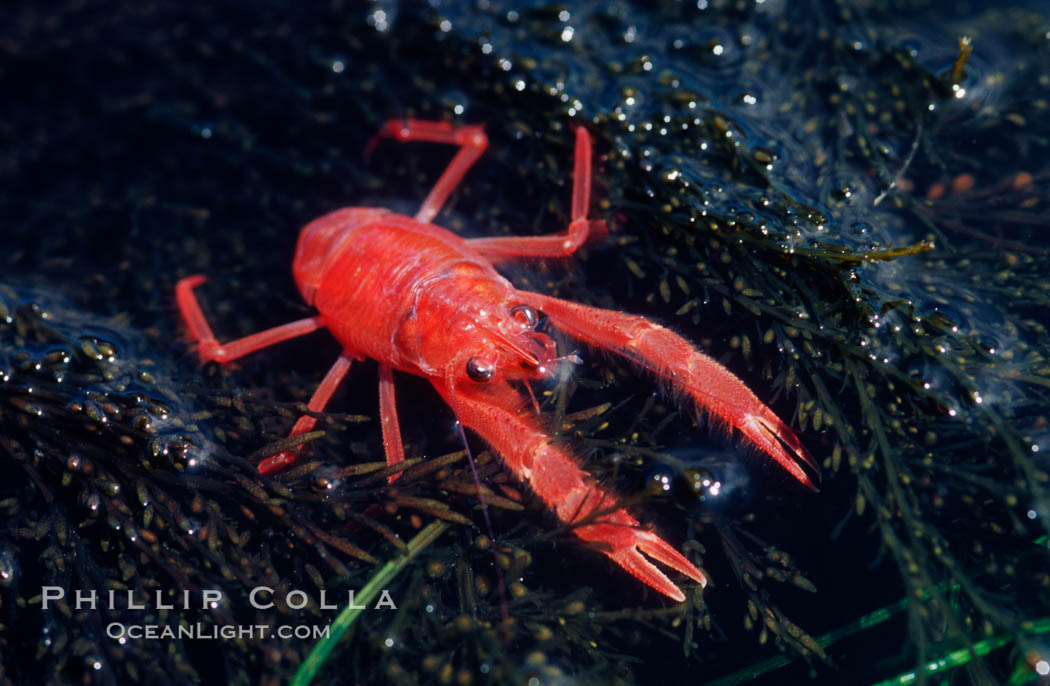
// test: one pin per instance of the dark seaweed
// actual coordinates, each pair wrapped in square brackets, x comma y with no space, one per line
[837,200]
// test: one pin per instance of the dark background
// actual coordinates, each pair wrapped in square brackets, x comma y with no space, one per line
[146,142]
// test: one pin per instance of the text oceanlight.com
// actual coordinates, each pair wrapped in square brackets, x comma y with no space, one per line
[121,632]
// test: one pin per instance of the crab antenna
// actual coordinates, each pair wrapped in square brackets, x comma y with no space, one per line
[535,403]
[505,614]
[529,358]
[572,358]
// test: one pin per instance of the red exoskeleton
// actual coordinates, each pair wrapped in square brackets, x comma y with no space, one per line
[419,299]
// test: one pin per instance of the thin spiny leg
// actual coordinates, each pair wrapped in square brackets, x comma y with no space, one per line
[395,449]
[581,175]
[558,245]
[471,140]
[711,386]
[210,350]
[307,422]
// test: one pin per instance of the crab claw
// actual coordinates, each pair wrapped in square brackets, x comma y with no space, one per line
[712,388]
[276,463]
[618,536]
[497,413]
[773,437]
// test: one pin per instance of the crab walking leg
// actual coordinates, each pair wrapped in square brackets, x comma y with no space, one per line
[210,350]
[505,248]
[581,174]
[305,423]
[557,245]
[710,385]
[470,139]
[392,445]
[496,412]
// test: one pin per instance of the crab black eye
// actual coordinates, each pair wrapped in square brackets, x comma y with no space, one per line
[525,314]
[479,371]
